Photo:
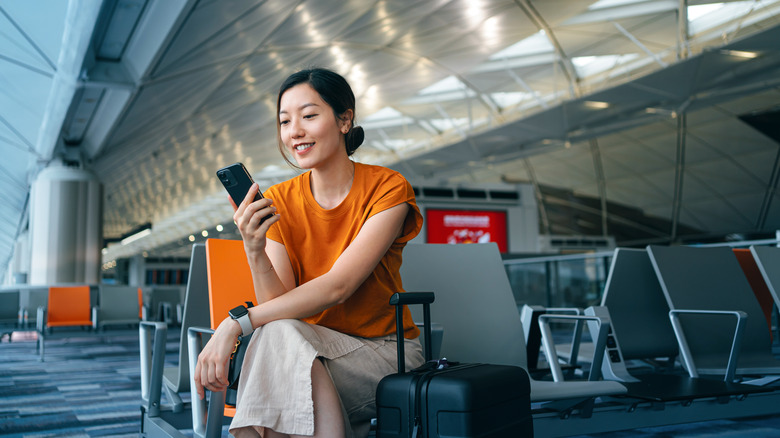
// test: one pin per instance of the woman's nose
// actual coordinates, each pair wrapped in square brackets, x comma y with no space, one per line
[296,130]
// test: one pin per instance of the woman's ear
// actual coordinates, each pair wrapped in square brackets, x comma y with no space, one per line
[345,121]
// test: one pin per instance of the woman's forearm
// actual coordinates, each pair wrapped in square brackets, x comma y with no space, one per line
[265,278]
[303,301]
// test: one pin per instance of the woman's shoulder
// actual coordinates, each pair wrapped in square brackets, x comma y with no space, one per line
[380,174]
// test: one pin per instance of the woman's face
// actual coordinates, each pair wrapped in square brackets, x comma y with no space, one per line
[308,127]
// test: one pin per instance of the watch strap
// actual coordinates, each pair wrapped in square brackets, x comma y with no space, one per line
[246,324]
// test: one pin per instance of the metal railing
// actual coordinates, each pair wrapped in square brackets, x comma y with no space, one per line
[574,280]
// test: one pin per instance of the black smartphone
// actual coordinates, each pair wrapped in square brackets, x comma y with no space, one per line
[237,182]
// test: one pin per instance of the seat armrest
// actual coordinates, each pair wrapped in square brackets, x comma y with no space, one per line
[206,418]
[151,337]
[40,319]
[94,317]
[576,336]
[599,337]
[736,342]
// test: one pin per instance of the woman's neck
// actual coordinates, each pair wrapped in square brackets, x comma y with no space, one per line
[331,184]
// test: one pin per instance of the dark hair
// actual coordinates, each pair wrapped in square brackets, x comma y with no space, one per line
[335,91]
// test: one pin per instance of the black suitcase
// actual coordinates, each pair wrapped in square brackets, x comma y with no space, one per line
[451,400]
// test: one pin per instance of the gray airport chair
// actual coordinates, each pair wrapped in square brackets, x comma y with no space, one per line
[637,309]
[714,312]
[174,380]
[475,306]
[29,301]
[9,312]
[164,304]
[117,305]
[641,330]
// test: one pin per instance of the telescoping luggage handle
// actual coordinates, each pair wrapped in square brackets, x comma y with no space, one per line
[406,298]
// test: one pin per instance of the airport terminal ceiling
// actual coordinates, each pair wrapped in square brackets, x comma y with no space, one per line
[655,120]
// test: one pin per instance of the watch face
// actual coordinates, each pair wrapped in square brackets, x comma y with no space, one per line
[238,312]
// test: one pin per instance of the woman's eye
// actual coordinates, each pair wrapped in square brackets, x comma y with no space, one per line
[283,122]
[310,116]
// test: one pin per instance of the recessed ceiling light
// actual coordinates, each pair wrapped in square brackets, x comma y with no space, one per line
[740,53]
[594,104]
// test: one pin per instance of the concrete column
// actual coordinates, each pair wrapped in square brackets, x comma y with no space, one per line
[136,271]
[65,226]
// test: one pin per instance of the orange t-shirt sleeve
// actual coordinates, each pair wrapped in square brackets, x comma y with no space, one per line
[397,193]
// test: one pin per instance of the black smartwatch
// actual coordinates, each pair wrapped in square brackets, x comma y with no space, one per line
[241,314]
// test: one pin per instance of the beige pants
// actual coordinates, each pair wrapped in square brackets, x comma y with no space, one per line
[275,386]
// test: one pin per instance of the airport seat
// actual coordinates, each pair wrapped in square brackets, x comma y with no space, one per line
[229,285]
[529,316]
[30,299]
[715,314]
[475,306]
[173,380]
[141,309]
[641,331]
[757,283]
[165,304]
[67,306]
[638,310]
[195,314]
[9,312]
[117,305]
[767,261]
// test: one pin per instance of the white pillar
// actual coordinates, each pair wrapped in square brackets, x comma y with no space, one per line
[65,226]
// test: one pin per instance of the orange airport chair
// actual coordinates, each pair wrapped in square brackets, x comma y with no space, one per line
[230,285]
[141,304]
[757,283]
[68,306]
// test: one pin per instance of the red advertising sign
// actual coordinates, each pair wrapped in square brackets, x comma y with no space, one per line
[466,226]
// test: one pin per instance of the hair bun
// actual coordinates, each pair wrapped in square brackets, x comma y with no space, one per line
[354,139]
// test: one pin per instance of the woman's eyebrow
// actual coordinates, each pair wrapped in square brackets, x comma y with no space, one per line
[305,105]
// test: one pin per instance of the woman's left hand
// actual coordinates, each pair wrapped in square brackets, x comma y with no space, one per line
[211,372]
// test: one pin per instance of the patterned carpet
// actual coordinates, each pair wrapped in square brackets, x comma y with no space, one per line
[89,386]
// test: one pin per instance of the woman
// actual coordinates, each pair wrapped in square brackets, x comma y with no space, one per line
[324,265]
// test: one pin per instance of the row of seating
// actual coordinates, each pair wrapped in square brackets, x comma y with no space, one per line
[475,308]
[87,307]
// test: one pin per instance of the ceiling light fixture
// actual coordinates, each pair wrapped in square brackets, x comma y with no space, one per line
[138,233]
[740,53]
[594,104]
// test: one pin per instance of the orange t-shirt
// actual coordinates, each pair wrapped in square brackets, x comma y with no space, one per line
[315,238]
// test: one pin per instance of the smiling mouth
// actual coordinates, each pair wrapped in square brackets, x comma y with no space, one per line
[303,147]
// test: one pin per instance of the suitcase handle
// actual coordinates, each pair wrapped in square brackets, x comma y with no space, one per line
[402,299]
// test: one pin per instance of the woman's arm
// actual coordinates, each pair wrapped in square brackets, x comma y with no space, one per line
[349,271]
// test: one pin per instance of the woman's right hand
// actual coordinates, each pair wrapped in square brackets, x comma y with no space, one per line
[211,371]
[249,216]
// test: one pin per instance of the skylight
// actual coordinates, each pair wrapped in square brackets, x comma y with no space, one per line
[705,17]
[505,100]
[385,118]
[448,84]
[601,4]
[697,11]
[534,44]
[591,65]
